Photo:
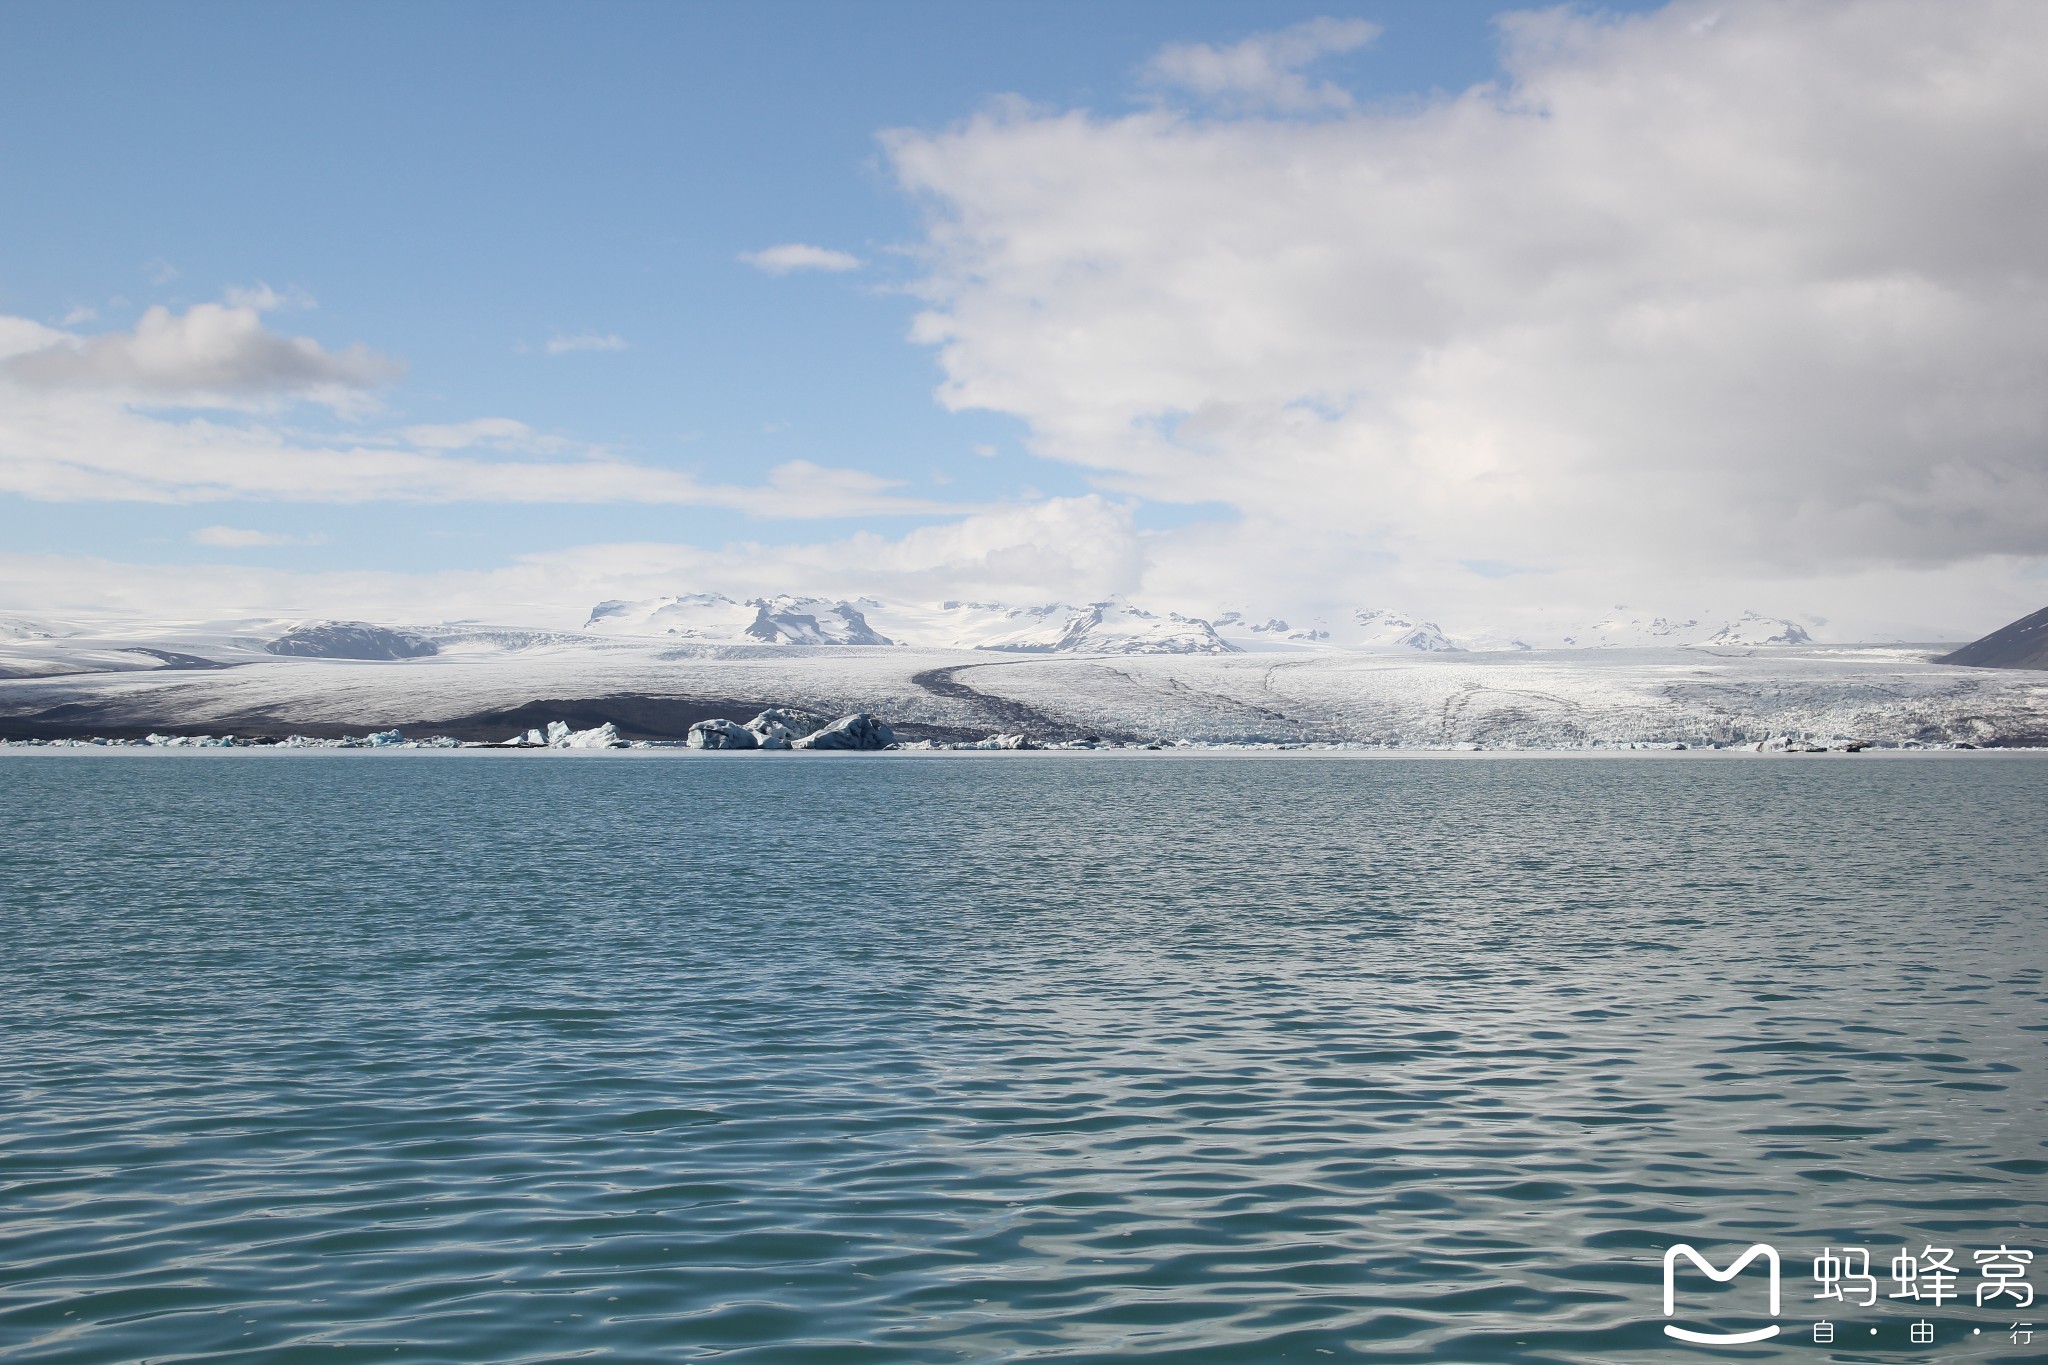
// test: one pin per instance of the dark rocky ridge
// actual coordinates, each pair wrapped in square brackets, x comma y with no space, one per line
[2023,644]
[637,716]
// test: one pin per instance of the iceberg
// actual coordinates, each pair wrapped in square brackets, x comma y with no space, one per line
[860,731]
[605,736]
[780,727]
[1018,741]
[721,734]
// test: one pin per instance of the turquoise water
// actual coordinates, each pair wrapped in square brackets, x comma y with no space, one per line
[1005,1057]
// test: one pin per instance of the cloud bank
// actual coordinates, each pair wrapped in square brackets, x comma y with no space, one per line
[1733,290]
[1076,549]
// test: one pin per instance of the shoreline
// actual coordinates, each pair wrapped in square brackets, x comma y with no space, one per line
[1131,751]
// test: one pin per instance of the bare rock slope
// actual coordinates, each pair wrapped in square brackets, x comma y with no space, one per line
[2023,644]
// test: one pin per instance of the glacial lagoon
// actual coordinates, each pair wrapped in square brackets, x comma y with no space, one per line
[1009,1057]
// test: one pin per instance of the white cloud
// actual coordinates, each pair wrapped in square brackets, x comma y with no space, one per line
[210,355]
[97,418]
[781,260]
[236,538]
[1264,70]
[81,447]
[1073,549]
[1755,301]
[586,341]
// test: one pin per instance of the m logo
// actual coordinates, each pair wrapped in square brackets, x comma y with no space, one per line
[1769,1253]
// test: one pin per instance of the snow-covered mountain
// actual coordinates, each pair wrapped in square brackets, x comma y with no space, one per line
[1112,627]
[1371,629]
[1753,629]
[1117,626]
[22,628]
[712,618]
[1393,629]
[1625,630]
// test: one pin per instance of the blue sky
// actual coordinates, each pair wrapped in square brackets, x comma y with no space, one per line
[1445,306]
[458,185]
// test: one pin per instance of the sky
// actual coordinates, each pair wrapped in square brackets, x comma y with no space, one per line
[1480,312]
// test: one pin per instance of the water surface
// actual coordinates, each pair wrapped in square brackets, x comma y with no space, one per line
[1005,1057]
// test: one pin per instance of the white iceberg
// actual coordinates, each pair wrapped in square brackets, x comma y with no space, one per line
[999,742]
[605,736]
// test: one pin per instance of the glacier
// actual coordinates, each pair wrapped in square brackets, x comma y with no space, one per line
[1000,676]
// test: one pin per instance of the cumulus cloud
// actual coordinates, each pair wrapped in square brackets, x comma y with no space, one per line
[1742,289]
[586,341]
[211,354]
[781,260]
[1264,70]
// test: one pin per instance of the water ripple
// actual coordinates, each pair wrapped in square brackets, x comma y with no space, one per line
[1082,1058]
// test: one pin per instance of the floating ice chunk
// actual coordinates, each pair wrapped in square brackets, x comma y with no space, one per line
[1018,741]
[779,727]
[721,734]
[384,739]
[860,731]
[605,736]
